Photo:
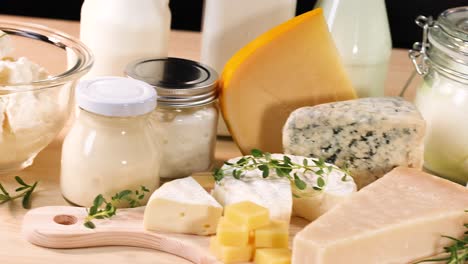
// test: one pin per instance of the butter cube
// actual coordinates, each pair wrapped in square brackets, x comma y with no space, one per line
[230,254]
[273,256]
[248,214]
[274,235]
[230,234]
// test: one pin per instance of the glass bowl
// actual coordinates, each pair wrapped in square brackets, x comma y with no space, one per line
[32,114]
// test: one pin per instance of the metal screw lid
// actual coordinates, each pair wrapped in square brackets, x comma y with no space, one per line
[445,43]
[178,82]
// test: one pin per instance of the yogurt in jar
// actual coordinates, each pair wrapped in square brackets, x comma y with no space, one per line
[111,146]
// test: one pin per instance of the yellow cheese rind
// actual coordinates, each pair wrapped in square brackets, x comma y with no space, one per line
[399,218]
[294,64]
[229,254]
[273,256]
[247,214]
[274,235]
[230,234]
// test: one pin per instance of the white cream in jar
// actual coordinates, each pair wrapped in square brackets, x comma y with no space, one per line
[186,118]
[111,146]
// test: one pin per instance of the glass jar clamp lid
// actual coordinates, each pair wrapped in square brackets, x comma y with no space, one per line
[444,45]
[178,82]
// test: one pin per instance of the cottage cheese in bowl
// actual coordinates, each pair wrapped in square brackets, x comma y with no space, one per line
[31,115]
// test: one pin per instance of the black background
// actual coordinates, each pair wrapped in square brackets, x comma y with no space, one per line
[186,14]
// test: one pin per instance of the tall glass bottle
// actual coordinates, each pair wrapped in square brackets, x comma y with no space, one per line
[362,35]
[228,25]
[121,31]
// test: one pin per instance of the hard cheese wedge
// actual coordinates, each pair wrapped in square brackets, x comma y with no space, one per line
[397,219]
[294,64]
[182,206]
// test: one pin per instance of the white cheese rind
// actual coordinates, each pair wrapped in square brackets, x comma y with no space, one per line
[273,192]
[371,135]
[182,206]
[397,219]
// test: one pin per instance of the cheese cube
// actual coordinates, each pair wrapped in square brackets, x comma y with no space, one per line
[182,206]
[230,234]
[273,256]
[229,254]
[248,214]
[274,235]
[398,219]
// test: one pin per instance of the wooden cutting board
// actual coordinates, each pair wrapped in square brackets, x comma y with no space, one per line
[62,227]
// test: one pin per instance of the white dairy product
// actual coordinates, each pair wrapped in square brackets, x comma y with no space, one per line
[273,192]
[28,119]
[111,146]
[311,203]
[400,218]
[229,25]
[278,194]
[121,31]
[182,206]
[362,36]
[187,137]
[444,105]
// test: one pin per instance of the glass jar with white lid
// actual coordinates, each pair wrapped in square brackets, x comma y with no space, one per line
[186,118]
[111,146]
[442,60]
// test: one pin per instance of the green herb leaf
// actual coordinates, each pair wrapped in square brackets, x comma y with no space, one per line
[90,225]
[102,209]
[27,197]
[20,181]
[283,167]
[300,184]
[257,153]
[320,182]
[265,170]
[24,191]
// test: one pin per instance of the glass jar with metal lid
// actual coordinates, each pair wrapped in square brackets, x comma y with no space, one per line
[442,59]
[187,114]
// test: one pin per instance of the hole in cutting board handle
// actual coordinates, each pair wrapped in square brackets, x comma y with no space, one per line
[65,219]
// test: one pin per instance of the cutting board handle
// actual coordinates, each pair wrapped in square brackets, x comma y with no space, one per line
[62,227]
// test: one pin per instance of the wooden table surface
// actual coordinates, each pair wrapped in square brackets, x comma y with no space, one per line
[13,249]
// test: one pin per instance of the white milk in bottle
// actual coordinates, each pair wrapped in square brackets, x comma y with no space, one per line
[121,31]
[362,35]
[228,25]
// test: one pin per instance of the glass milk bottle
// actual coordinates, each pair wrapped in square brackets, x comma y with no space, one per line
[362,35]
[228,25]
[121,31]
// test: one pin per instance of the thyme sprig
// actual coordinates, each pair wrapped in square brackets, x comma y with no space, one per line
[457,253]
[23,191]
[284,167]
[102,208]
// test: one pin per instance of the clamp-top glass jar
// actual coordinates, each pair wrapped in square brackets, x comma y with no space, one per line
[186,118]
[442,60]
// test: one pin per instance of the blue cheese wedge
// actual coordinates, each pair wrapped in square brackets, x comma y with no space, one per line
[370,136]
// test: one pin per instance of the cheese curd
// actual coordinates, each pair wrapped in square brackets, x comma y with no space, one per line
[187,138]
[28,119]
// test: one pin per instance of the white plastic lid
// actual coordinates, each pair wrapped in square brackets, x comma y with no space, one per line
[116,96]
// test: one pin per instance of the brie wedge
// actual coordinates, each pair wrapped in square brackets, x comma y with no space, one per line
[182,206]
